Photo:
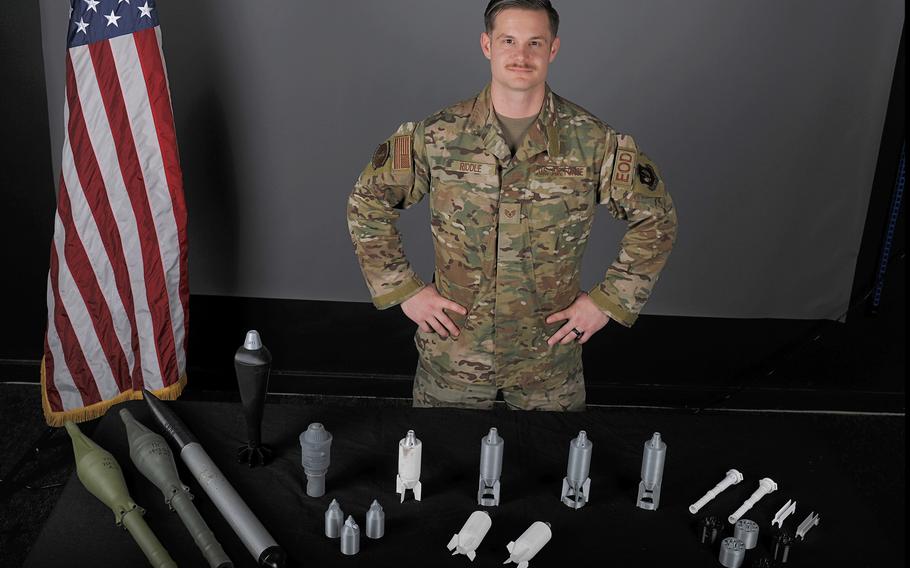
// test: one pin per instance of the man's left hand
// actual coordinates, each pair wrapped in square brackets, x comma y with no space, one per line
[583,316]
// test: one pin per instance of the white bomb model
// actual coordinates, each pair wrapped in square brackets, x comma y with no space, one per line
[471,534]
[529,544]
[410,450]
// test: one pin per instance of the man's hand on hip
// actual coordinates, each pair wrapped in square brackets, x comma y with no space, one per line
[584,320]
[425,308]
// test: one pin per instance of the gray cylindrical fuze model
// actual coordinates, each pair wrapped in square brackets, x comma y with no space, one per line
[153,458]
[746,531]
[350,537]
[652,473]
[491,448]
[576,485]
[375,521]
[334,518]
[315,448]
[732,552]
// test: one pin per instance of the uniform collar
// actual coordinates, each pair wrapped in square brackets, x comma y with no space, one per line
[543,134]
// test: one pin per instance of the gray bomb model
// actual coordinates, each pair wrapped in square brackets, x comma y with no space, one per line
[375,521]
[491,449]
[255,538]
[350,537]
[334,518]
[153,458]
[100,473]
[315,449]
[652,473]
[576,486]
[252,363]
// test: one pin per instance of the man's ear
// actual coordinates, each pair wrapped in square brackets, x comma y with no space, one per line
[554,49]
[485,44]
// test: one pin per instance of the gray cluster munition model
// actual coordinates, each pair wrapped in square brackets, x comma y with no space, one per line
[576,486]
[255,538]
[652,473]
[491,448]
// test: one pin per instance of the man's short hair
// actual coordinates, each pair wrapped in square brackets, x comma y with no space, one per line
[497,6]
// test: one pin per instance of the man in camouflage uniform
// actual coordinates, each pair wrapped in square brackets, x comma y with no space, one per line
[513,176]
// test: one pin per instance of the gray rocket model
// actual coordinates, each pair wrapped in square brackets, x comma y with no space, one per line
[652,473]
[153,458]
[255,538]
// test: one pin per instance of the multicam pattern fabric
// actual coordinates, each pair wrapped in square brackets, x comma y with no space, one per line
[509,233]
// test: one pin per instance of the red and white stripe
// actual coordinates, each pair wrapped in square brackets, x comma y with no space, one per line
[117,289]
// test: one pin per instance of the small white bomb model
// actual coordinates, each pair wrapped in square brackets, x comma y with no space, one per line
[410,450]
[529,544]
[471,534]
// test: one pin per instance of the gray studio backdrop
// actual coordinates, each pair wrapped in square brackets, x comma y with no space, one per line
[764,116]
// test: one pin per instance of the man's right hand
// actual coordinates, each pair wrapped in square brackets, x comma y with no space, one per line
[425,308]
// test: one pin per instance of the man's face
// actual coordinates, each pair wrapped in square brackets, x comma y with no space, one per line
[520,48]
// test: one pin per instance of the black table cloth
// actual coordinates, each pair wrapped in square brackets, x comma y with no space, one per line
[821,461]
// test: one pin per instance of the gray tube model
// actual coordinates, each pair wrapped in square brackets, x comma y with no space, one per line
[576,485]
[153,458]
[255,538]
[652,473]
[732,552]
[746,531]
[491,448]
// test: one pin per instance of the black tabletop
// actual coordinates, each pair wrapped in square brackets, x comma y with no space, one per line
[828,464]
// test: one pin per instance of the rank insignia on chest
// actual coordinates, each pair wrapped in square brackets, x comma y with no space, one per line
[380,156]
[548,170]
[647,176]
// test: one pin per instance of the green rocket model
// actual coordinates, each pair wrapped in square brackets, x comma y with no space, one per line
[153,458]
[100,473]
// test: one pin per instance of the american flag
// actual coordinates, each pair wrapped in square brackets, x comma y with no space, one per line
[117,294]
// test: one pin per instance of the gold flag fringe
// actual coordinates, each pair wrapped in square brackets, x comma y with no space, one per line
[57,419]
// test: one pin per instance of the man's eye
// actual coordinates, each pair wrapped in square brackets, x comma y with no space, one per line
[535,43]
[508,41]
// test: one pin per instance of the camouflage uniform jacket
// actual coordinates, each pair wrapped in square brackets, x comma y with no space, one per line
[509,232]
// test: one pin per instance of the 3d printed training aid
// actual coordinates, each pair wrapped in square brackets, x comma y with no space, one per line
[491,450]
[471,534]
[652,473]
[235,511]
[315,456]
[101,475]
[151,455]
[576,485]
[410,452]
[252,363]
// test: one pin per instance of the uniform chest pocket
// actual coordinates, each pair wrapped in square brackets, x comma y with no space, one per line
[463,223]
[559,225]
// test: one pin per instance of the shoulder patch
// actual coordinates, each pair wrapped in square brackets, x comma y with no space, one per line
[647,176]
[625,162]
[402,152]
[380,155]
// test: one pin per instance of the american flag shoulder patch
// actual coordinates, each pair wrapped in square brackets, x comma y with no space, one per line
[402,152]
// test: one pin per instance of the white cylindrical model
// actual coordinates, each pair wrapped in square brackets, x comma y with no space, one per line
[732,478]
[765,485]
[471,534]
[410,450]
[529,544]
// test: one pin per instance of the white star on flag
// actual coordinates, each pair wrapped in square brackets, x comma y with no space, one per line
[82,26]
[91,5]
[112,19]
[145,10]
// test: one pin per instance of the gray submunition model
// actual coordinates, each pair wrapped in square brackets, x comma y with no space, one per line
[255,538]
[100,473]
[491,448]
[153,458]
[652,473]
[315,449]
[375,520]
[576,485]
